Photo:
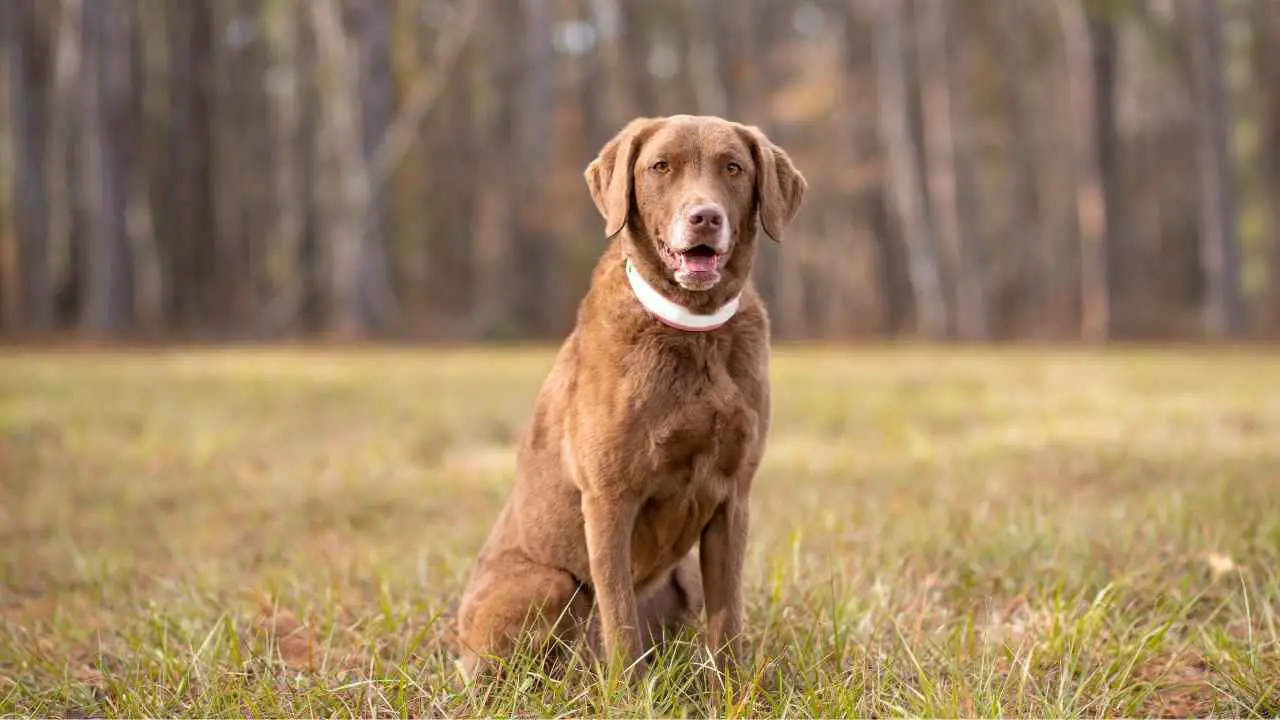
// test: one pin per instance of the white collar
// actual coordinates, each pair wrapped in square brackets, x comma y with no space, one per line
[674,314]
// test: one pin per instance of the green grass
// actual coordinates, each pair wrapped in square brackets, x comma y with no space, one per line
[936,533]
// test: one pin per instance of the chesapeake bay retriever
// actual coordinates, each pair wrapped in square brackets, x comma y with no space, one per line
[650,425]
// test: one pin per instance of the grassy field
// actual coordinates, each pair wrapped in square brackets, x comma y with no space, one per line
[938,533]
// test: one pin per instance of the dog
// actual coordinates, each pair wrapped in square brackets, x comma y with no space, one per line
[648,429]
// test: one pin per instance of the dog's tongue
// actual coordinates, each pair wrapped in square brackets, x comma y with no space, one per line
[699,262]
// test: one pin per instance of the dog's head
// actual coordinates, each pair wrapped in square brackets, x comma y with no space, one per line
[689,189]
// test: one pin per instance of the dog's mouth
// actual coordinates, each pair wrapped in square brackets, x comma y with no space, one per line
[697,260]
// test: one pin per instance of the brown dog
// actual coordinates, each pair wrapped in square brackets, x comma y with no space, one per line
[649,428]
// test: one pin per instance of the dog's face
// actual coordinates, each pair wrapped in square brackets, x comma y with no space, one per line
[690,189]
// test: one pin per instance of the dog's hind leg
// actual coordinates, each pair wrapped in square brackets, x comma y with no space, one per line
[514,605]
[670,608]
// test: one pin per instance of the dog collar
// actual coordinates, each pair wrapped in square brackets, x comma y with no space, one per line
[674,314]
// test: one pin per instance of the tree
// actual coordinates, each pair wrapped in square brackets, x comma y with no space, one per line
[1266,48]
[29,79]
[186,220]
[104,156]
[633,54]
[1090,47]
[864,276]
[267,168]
[702,18]
[540,254]
[1219,242]
[493,223]
[286,282]
[1024,282]
[946,149]
[1219,252]
[905,186]
[359,290]
[376,93]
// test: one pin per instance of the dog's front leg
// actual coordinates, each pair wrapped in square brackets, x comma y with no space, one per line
[722,553]
[609,521]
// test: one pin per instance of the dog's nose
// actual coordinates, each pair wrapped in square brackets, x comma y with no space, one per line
[705,216]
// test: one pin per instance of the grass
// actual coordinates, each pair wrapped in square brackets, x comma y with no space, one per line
[936,533]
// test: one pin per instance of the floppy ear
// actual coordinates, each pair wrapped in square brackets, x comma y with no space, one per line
[780,188]
[610,178]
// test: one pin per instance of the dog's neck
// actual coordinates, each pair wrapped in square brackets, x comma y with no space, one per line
[672,313]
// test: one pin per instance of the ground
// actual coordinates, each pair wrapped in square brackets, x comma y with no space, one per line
[959,532]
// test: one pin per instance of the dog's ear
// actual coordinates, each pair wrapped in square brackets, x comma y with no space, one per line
[780,188]
[611,178]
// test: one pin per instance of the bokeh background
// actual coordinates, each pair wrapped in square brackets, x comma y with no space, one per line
[252,170]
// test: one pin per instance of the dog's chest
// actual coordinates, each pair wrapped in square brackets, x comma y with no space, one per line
[700,421]
[669,524]
[697,427]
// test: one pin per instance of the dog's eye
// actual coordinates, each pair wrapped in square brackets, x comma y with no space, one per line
[661,167]
[733,168]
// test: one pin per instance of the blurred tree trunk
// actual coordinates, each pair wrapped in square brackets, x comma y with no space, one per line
[357,263]
[1266,48]
[864,276]
[29,51]
[257,157]
[149,107]
[903,155]
[66,217]
[11,285]
[233,158]
[492,247]
[344,192]
[600,118]
[1027,277]
[1090,45]
[702,19]
[104,152]
[376,94]
[738,34]
[312,263]
[614,97]
[1218,238]
[946,150]
[974,322]
[780,272]
[242,156]
[635,49]
[435,291]
[538,249]
[421,199]
[1105,56]
[186,219]
[283,309]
